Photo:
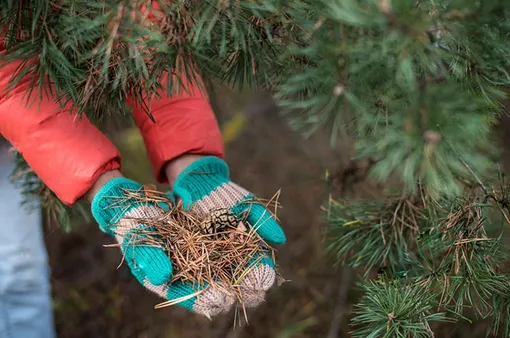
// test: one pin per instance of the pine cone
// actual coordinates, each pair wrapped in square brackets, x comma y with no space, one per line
[218,221]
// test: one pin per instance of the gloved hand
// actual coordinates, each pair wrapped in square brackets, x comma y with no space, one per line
[149,264]
[204,186]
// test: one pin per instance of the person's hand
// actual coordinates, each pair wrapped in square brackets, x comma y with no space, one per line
[151,266]
[203,184]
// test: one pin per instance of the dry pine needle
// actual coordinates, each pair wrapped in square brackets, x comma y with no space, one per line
[215,250]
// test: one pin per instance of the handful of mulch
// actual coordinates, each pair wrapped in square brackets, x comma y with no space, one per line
[214,249]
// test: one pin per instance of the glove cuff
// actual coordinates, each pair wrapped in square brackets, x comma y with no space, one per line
[109,205]
[200,178]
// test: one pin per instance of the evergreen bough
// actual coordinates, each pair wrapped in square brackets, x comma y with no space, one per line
[418,85]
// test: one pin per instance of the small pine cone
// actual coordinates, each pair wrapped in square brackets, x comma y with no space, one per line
[219,220]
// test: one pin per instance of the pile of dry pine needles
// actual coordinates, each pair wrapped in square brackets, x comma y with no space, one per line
[220,258]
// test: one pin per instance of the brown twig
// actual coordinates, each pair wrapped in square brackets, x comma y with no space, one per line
[338,313]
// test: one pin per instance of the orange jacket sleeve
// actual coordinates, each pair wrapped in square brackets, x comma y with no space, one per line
[184,124]
[67,153]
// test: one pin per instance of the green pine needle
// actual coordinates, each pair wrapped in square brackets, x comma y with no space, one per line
[395,310]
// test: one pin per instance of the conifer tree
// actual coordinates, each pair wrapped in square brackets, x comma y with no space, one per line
[418,85]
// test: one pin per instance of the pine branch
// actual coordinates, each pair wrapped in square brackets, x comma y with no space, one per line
[412,82]
[98,54]
[395,310]
[452,249]
[376,234]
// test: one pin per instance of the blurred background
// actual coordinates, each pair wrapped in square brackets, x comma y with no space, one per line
[95,298]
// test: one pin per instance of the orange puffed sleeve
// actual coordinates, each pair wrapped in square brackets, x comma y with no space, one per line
[184,124]
[66,152]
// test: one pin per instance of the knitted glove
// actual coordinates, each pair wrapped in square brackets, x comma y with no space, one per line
[150,265]
[204,186]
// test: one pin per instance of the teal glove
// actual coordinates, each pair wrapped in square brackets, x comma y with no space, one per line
[204,186]
[149,264]
[111,211]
